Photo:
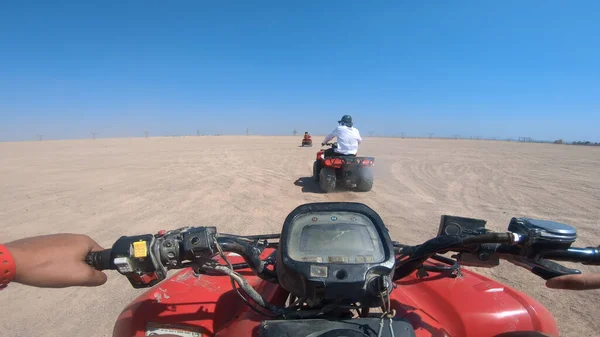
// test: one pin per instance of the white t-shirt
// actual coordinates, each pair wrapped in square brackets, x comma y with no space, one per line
[348,139]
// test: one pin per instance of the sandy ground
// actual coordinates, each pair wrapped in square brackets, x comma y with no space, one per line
[111,187]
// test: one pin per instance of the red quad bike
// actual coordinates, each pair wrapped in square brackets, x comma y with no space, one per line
[334,271]
[307,142]
[349,171]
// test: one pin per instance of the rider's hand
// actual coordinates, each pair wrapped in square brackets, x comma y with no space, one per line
[55,261]
[575,282]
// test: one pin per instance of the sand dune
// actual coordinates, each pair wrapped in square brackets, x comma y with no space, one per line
[112,187]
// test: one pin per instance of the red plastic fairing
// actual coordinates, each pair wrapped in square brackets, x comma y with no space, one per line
[320,155]
[333,162]
[470,305]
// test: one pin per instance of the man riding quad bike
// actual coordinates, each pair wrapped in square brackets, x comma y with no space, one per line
[339,163]
[306,141]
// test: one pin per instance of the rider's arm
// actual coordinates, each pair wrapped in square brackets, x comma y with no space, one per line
[332,135]
[54,261]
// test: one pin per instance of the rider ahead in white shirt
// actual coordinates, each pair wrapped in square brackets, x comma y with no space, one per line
[348,139]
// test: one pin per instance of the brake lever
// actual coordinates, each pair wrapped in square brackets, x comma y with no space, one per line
[543,268]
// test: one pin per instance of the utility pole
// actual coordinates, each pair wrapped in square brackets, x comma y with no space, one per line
[247,132]
[430,134]
[40,137]
[146,133]
[94,135]
[402,134]
[294,132]
[197,132]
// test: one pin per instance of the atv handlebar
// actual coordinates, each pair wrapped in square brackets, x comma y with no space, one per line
[144,259]
[482,248]
[180,248]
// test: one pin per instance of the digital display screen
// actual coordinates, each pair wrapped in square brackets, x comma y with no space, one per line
[337,238]
[334,237]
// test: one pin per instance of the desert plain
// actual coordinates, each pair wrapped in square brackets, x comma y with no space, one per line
[106,188]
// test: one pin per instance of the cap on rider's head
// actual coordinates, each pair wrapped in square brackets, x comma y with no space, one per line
[306,133]
[346,120]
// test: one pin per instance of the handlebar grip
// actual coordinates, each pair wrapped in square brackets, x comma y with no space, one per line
[547,269]
[99,260]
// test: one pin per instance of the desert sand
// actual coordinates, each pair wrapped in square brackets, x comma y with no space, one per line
[106,188]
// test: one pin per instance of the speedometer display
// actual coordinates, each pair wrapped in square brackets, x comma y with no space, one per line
[336,237]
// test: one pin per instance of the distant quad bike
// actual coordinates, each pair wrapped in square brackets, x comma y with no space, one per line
[306,142]
[348,171]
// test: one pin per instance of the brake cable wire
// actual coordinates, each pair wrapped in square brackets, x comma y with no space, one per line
[233,281]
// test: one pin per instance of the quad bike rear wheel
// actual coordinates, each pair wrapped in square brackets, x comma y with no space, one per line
[365,183]
[327,179]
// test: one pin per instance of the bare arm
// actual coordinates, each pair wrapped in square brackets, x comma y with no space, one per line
[575,282]
[55,261]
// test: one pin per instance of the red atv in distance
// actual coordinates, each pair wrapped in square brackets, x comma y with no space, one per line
[306,140]
[348,171]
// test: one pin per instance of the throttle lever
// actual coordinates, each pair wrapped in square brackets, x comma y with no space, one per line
[543,268]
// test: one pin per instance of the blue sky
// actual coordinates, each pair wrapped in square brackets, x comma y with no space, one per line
[473,68]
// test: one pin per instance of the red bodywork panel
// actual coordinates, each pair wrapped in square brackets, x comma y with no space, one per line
[468,305]
[333,162]
[320,155]
[337,162]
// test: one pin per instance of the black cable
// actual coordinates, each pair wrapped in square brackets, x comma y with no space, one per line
[451,265]
[244,285]
[419,254]
[250,254]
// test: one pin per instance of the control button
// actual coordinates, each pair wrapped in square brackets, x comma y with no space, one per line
[338,259]
[123,265]
[318,271]
[140,249]
[369,258]
[360,259]
[312,259]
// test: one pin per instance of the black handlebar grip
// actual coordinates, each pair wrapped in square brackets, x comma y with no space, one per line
[99,260]
[547,269]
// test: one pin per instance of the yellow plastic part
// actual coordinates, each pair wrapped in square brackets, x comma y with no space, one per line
[140,249]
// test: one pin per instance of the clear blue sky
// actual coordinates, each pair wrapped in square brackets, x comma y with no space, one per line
[474,68]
